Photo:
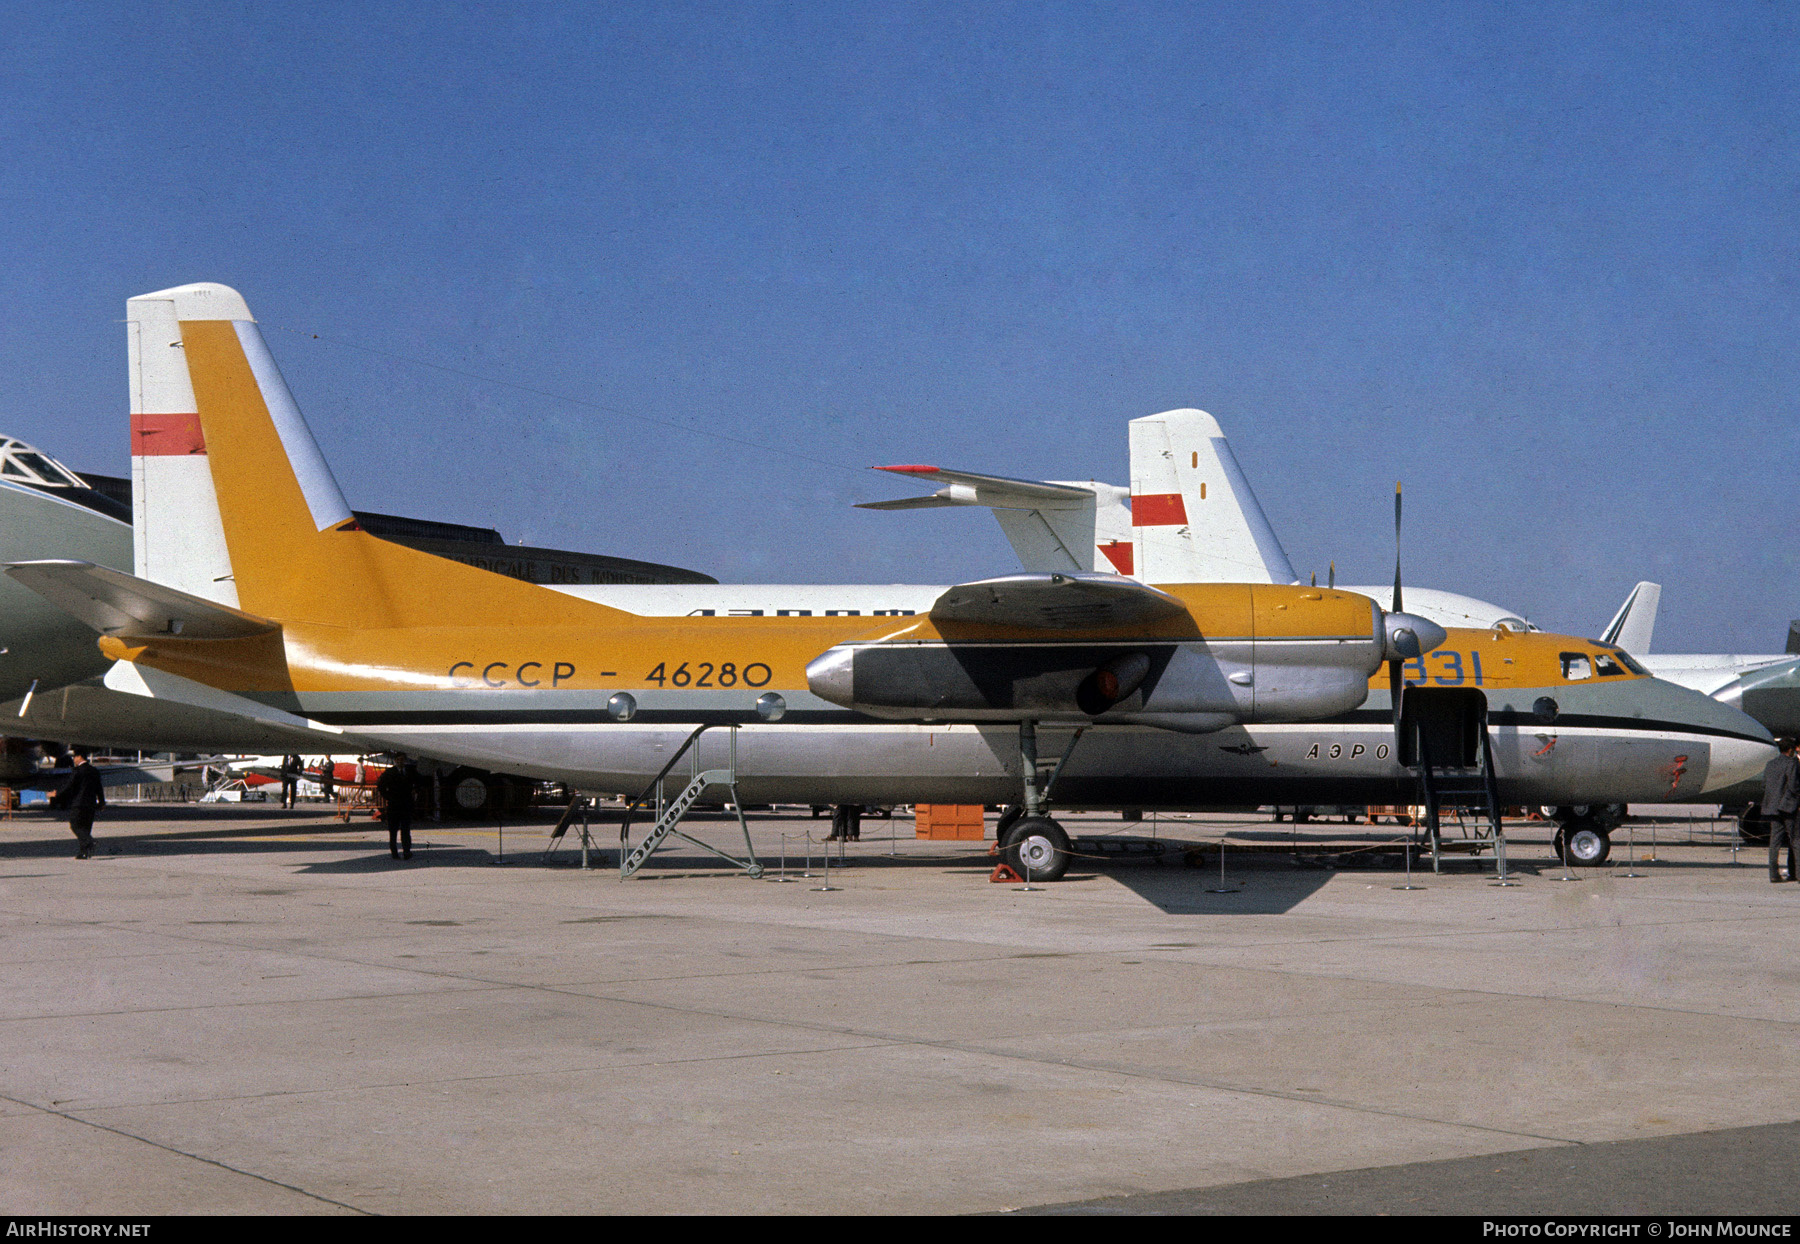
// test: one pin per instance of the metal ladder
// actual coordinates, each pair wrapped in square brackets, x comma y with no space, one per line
[1458,786]
[631,858]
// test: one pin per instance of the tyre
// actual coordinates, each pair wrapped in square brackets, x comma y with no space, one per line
[1036,848]
[1584,842]
[1009,816]
[471,794]
[1752,828]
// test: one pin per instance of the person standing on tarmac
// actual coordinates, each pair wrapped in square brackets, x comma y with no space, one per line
[396,790]
[83,795]
[846,823]
[1780,805]
[291,769]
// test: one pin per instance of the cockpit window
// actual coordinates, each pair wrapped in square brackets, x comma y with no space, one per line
[1607,667]
[1628,663]
[13,470]
[1576,666]
[47,471]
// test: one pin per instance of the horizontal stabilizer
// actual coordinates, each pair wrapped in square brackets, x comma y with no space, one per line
[969,488]
[115,603]
[909,503]
[1059,602]
[132,678]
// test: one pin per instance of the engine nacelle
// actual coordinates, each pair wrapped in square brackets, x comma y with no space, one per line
[1213,685]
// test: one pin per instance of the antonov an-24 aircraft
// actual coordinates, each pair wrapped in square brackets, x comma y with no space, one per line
[1187,693]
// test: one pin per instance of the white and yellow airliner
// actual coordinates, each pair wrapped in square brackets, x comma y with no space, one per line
[1190,694]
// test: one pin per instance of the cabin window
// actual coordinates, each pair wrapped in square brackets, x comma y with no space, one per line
[1607,667]
[1576,666]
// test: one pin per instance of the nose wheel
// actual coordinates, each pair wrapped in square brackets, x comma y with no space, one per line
[1581,842]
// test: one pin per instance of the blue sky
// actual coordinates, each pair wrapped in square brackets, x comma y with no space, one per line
[1539,261]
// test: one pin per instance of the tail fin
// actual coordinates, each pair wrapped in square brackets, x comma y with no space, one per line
[1635,622]
[270,521]
[177,537]
[1194,516]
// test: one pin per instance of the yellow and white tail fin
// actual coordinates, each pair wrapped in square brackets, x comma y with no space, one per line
[236,503]
[1194,516]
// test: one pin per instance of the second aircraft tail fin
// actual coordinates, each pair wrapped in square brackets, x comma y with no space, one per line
[1194,516]
[1635,622]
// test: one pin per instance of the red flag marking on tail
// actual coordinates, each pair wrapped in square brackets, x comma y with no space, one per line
[1158,509]
[159,436]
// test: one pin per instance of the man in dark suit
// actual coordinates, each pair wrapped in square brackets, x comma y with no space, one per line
[291,769]
[1780,805]
[83,795]
[396,790]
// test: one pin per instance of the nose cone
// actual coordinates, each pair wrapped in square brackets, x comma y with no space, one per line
[1410,636]
[832,676]
[1737,760]
[1740,747]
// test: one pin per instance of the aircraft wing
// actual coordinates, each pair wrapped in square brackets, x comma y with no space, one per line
[1058,602]
[115,603]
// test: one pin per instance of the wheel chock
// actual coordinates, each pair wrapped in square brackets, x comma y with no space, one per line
[1004,872]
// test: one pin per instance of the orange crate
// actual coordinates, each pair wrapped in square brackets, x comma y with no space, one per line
[950,822]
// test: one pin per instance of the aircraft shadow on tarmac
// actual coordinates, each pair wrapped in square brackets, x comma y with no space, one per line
[1256,881]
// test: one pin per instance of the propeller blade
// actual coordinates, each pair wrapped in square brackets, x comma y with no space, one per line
[1399,607]
[1331,579]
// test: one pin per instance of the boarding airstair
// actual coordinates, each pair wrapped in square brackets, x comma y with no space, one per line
[670,814]
[1444,738]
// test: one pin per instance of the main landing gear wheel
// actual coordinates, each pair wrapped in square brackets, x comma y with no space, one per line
[1036,848]
[1584,843]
